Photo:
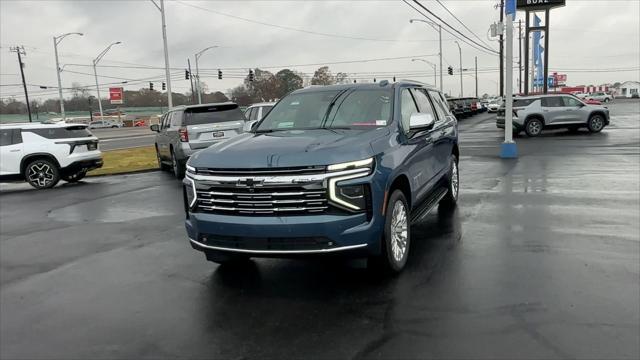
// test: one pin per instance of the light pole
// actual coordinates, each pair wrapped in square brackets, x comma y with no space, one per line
[166,52]
[460,50]
[439,28]
[56,41]
[198,72]
[435,83]
[95,73]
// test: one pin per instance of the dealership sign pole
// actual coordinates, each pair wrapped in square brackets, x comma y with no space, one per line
[508,150]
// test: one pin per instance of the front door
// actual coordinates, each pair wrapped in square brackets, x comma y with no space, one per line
[553,110]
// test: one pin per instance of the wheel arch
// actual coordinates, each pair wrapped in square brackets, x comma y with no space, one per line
[36,156]
[400,182]
[535,116]
[597,112]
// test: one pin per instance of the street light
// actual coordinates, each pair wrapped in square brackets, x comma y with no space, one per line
[95,73]
[166,52]
[198,72]
[460,50]
[434,69]
[439,28]
[56,41]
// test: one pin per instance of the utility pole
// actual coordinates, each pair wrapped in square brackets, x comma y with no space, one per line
[501,50]
[520,56]
[508,148]
[460,51]
[20,51]
[193,96]
[198,86]
[166,53]
[56,41]
[476,76]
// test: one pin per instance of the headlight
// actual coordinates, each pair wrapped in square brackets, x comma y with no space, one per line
[350,197]
[366,163]
[191,169]
[190,192]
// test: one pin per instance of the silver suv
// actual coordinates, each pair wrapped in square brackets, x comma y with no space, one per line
[187,129]
[532,114]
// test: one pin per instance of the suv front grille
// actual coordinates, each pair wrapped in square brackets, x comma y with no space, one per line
[287,200]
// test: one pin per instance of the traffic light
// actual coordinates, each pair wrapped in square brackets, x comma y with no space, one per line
[250,75]
[394,79]
[219,74]
[164,86]
[186,74]
[374,79]
[450,70]
[151,86]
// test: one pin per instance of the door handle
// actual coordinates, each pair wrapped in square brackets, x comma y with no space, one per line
[545,110]
[16,150]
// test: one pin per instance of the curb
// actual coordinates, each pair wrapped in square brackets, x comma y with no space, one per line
[125,173]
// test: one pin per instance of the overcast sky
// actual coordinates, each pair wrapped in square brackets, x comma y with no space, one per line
[585,35]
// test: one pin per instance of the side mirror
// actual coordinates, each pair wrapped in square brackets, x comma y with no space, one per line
[421,121]
[155,128]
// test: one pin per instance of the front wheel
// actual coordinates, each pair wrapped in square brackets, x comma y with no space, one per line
[397,236]
[453,185]
[75,177]
[42,174]
[595,124]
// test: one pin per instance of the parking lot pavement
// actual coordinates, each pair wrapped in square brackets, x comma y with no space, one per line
[540,260]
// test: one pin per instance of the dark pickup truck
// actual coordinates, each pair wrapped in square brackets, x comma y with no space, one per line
[341,169]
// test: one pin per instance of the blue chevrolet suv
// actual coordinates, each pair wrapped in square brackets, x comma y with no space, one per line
[343,169]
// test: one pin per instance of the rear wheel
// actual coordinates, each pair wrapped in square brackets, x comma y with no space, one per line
[453,185]
[596,123]
[533,127]
[177,166]
[397,236]
[42,174]
[75,176]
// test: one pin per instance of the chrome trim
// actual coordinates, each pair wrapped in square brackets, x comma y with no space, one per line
[279,180]
[320,251]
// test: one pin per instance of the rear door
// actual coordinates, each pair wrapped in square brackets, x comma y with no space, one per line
[445,129]
[11,151]
[161,138]
[210,124]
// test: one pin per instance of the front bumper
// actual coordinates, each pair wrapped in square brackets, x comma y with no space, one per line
[283,236]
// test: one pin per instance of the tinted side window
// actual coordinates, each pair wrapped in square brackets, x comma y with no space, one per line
[552,101]
[176,118]
[6,137]
[424,104]
[407,107]
[265,110]
[165,120]
[441,108]
[254,113]
[571,102]
[62,133]
[523,102]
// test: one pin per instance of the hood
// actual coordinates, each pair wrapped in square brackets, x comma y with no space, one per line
[290,148]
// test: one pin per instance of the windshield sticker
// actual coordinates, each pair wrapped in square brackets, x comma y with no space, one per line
[381,122]
[285,125]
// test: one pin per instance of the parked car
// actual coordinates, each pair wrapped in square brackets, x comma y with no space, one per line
[532,114]
[466,107]
[42,154]
[342,169]
[103,124]
[494,106]
[256,112]
[456,107]
[187,129]
[592,102]
[581,95]
[600,96]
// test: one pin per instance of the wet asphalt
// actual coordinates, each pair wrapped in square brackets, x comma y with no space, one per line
[540,260]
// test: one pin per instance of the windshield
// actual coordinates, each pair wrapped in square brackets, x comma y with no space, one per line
[212,114]
[349,108]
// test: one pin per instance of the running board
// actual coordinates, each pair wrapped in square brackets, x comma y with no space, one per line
[429,204]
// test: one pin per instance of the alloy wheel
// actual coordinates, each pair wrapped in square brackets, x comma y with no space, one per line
[399,234]
[596,123]
[41,174]
[454,180]
[534,127]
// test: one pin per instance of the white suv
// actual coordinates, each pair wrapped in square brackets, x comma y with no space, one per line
[42,154]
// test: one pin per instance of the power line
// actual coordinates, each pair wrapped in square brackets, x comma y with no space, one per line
[465,38]
[289,28]
[463,24]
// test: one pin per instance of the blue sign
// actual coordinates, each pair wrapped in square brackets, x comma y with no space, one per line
[510,7]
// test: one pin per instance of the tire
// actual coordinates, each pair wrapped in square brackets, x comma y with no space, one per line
[177,167]
[42,174]
[533,127]
[74,177]
[161,165]
[453,185]
[114,127]
[606,100]
[595,123]
[224,258]
[396,239]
